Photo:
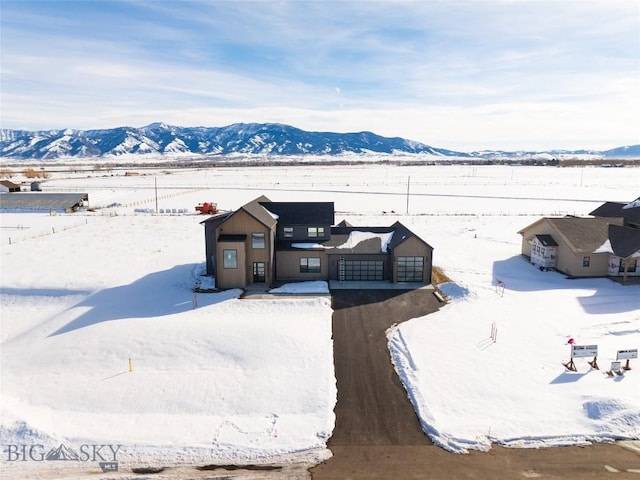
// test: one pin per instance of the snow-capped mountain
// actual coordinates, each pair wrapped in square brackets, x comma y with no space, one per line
[241,138]
[159,138]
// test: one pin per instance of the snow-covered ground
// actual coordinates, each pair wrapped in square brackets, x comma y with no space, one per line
[103,341]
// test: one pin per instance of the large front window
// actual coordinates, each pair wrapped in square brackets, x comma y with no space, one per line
[230,258]
[310,265]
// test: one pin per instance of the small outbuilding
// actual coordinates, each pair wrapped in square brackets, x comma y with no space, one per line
[8,187]
[43,202]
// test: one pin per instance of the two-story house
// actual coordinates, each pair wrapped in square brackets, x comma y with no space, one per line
[274,242]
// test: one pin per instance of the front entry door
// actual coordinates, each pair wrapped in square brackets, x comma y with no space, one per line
[258,272]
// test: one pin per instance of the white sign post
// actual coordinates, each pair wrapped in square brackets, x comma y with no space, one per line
[627,355]
[615,369]
[582,351]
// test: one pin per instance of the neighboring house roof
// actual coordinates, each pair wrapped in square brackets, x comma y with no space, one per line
[629,211]
[10,185]
[41,201]
[622,241]
[582,235]
[302,213]
[546,240]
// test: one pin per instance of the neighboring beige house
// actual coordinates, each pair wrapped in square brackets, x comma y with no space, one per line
[601,246]
[266,242]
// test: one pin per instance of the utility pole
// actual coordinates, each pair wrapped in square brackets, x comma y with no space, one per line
[408,184]
[155,182]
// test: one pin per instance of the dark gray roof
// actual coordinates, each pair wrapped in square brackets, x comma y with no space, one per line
[547,240]
[617,209]
[583,235]
[402,233]
[340,234]
[625,241]
[41,201]
[217,218]
[608,209]
[302,213]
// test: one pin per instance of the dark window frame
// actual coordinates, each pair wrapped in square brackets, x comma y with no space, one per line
[305,266]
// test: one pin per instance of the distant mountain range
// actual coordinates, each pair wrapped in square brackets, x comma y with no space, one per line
[239,138]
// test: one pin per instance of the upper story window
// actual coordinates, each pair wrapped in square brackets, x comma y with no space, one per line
[586,261]
[257,240]
[288,232]
[314,232]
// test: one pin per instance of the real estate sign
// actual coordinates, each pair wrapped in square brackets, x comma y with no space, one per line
[581,351]
[627,354]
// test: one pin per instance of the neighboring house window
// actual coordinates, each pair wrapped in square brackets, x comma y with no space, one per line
[631,268]
[230,258]
[257,240]
[586,261]
[309,265]
[314,232]
[288,232]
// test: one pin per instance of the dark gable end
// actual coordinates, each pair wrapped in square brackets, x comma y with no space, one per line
[625,241]
[546,240]
[401,233]
[608,209]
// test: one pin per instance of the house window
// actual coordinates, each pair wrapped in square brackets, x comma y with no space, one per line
[288,232]
[230,258]
[257,240]
[314,232]
[310,265]
[631,266]
[585,262]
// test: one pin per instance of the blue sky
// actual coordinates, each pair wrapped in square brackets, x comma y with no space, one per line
[464,75]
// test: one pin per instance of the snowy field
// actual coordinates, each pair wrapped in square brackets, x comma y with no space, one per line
[104,343]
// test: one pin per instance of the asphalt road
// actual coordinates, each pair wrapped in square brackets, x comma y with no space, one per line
[377,434]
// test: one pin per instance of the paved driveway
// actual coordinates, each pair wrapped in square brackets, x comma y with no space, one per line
[377,434]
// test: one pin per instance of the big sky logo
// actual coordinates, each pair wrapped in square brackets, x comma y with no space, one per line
[105,455]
